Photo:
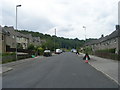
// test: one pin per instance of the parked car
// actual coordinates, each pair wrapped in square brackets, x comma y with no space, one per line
[47,53]
[58,51]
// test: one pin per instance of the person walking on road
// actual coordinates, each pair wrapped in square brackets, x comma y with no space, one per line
[77,52]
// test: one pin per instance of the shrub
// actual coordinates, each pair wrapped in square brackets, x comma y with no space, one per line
[31,47]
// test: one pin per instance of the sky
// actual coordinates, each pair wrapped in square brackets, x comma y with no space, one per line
[67,16]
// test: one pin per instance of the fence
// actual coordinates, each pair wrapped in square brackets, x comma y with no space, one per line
[108,55]
[20,50]
[10,58]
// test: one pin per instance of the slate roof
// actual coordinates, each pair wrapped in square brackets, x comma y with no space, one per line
[36,39]
[12,31]
[114,34]
[3,31]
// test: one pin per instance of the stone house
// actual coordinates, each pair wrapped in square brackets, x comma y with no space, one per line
[22,40]
[15,37]
[3,35]
[108,42]
[11,37]
[36,41]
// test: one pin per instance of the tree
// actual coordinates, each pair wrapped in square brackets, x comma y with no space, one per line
[31,47]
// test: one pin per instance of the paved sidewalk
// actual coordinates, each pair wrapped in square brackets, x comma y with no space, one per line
[9,66]
[107,66]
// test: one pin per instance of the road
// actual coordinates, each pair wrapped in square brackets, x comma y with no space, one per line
[66,70]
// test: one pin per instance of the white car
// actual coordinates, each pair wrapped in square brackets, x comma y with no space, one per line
[74,50]
[58,51]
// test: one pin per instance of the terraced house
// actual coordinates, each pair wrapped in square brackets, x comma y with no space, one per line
[108,42]
[22,40]
[2,40]
[10,38]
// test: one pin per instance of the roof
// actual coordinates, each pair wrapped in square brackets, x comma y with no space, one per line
[12,31]
[114,34]
[3,31]
[36,38]
[108,37]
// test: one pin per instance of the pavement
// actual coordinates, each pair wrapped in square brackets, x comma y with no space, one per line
[108,67]
[9,66]
[66,70]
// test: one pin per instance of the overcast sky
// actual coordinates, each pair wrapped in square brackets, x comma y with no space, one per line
[67,16]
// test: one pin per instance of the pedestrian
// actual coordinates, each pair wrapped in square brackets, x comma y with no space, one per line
[77,52]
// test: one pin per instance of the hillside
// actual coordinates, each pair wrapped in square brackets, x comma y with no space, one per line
[58,42]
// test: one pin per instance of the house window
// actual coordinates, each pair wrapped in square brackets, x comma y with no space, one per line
[13,44]
[13,36]
[115,41]
[2,37]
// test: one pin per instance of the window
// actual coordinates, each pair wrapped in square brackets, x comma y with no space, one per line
[115,41]
[2,37]
[13,44]
[13,36]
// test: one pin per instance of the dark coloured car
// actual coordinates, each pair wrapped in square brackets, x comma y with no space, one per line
[47,53]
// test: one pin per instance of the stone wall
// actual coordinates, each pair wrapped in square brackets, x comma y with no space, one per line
[109,44]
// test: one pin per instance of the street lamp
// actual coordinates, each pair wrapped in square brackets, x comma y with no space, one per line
[54,39]
[16,28]
[85,37]
[85,32]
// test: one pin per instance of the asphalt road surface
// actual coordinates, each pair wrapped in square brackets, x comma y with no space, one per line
[66,70]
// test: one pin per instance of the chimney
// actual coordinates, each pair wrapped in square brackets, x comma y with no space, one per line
[117,27]
[102,36]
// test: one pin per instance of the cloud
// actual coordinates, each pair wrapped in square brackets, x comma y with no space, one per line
[68,16]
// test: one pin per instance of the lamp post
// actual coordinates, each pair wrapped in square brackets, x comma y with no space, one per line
[54,39]
[16,28]
[85,37]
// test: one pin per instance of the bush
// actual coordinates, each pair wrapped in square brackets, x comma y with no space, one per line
[31,47]
[40,50]
[88,50]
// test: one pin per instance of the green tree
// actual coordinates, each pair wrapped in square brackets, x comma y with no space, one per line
[31,47]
